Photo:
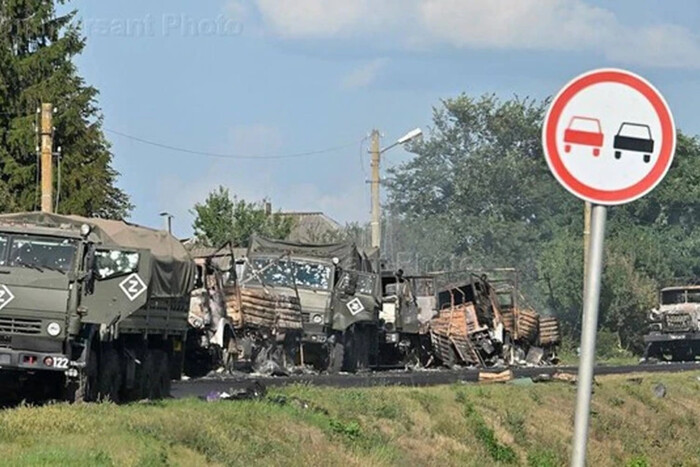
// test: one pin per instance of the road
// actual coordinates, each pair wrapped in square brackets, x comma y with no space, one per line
[204,386]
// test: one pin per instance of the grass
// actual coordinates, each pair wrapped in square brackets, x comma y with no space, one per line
[512,424]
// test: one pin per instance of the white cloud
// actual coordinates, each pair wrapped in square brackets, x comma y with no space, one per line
[569,25]
[364,75]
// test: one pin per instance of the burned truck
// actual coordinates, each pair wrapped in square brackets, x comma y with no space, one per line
[338,293]
[237,327]
[408,305]
[482,322]
[468,330]
[674,327]
[90,308]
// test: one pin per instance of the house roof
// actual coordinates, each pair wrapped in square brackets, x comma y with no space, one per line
[311,227]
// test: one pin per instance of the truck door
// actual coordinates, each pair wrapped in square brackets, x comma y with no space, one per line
[120,280]
[355,299]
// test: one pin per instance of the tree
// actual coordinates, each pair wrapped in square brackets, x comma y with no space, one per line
[222,218]
[37,49]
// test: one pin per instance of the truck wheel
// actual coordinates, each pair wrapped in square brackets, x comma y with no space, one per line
[647,158]
[161,379]
[618,154]
[110,376]
[85,388]
[567,148]
[146,375]
[596,152]
[336,357]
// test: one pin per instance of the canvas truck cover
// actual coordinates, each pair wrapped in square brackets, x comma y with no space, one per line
[173,272]
[347,253]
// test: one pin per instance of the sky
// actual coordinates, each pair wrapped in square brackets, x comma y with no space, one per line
[261,78]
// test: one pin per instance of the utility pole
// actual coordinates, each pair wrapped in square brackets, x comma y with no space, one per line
[376,206]
[47,158]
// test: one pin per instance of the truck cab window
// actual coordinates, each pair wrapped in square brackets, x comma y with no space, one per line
[115,263]
[3,250]
[42,253]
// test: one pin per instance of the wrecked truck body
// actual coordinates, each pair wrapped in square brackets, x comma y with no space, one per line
[338,293]
[468,330]
[408,305]
[674,326]
[482,322]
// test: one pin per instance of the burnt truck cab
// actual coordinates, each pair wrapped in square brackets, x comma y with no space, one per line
[408,305]
[674,327]
[339,297]
[70,300]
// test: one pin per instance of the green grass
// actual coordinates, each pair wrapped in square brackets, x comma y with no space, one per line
[511,424]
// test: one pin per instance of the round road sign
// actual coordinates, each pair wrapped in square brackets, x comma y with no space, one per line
[609,137]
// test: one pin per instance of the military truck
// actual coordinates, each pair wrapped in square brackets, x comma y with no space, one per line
[91,308]
[674,327]
[408,305]
[339,296]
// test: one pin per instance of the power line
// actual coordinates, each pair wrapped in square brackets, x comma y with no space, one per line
[229,156]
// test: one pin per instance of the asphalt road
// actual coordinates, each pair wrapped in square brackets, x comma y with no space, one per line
[205,386]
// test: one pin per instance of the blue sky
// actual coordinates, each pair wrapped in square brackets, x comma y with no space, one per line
[270,77]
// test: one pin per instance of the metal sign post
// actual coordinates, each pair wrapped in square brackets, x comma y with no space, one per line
[609,139]
[588,335]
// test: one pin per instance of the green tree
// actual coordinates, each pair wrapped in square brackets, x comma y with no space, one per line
[222,218]
[37,49]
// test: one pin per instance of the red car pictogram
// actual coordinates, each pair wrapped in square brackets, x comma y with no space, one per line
[584,131]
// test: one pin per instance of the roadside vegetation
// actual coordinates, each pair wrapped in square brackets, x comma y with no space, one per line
[520,423]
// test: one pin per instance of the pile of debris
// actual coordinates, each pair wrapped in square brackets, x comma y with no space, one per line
[263,309]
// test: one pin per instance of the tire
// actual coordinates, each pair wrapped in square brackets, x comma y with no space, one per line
[618,154]
[160,387]
[110,376]
[596,152]
[145,376]
[336,358]
[647,158]
[85,388]
[567,148]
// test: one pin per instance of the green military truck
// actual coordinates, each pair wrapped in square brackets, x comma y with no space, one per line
[91,308]
[339,295]
[674,327]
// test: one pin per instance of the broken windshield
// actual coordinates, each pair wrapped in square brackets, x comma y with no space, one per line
[54,254]
[285,273]
[672,297]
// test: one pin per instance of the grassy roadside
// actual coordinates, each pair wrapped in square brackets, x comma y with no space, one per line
[513,424]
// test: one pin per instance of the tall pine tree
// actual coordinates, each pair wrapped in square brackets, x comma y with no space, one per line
[37,48]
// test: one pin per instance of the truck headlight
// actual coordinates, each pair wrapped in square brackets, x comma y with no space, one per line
[53,329]
[317,319]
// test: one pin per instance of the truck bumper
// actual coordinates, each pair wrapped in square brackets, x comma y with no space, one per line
[672,337]
[33,361]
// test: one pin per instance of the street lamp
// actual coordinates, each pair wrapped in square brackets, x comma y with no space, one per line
[376,161]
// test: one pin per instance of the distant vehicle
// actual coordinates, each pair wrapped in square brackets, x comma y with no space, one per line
[584,131]
[634,137]
[674,327]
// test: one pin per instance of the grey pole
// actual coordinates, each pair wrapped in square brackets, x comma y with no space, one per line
[590,324]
